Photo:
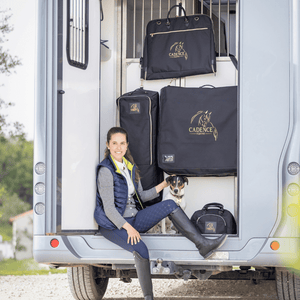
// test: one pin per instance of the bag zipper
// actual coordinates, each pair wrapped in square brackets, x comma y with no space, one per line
[136,192]
[183,30]
[150,129]
[150,120]
[212,215]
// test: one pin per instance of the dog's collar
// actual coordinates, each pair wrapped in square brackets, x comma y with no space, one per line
[176,196]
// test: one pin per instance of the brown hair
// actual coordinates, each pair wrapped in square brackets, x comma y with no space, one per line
[127,155]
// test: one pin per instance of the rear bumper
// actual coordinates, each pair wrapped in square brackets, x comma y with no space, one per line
[74,250]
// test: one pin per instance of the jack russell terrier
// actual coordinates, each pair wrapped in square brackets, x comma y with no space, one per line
[176,193]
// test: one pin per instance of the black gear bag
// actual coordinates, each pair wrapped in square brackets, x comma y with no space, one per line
[138,115]
[198,131]
[214,220]
[178,47]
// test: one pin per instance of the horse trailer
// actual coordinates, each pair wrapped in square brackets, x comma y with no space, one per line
[88,55]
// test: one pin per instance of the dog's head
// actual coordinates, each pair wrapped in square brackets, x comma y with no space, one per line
[177,183]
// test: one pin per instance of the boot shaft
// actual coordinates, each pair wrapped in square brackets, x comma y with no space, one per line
[188,229]
[144,275]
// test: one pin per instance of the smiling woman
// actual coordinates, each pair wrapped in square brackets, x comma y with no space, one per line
[117,146]
[120,211]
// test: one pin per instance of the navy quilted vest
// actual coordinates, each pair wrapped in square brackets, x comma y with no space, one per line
[120,191]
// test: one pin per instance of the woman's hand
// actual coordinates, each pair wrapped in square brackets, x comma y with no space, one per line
[163,184]
[133,234]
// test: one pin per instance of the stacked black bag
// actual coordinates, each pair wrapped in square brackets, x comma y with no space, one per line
[138,111]
[198,131]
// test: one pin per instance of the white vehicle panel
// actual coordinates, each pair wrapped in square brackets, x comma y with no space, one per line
[80,133]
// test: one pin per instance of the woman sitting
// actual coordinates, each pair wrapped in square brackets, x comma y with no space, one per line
[120,211]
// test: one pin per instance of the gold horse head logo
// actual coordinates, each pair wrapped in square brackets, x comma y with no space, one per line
[178,51]
[179,47]
[210,227]
[134,107]
[204,121]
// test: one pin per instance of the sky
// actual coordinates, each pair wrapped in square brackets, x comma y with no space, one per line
[19,87]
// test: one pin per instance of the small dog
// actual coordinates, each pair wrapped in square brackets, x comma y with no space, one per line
[176,193]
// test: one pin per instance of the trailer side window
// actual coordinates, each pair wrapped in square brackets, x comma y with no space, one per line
[77,33]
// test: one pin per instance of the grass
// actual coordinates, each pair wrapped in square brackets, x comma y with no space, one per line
[25,267]
[6,231]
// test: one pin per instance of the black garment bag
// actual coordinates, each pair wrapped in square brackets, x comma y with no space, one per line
[198,131]
[138,115]
[178,47]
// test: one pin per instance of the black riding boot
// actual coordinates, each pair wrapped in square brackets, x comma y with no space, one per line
[187,228]
[143,273]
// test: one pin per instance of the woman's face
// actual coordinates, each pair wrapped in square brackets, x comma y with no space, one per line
[117,146]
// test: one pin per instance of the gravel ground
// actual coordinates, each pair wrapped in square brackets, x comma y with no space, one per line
[55,286]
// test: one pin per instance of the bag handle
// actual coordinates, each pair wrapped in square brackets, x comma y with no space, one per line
[180,7]
[213,204]
[208,85]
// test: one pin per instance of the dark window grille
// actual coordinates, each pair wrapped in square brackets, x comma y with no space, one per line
[77,33]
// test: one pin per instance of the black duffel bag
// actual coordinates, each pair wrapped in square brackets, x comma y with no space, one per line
[197,133]
[138,115]
[178,47]
[215,220]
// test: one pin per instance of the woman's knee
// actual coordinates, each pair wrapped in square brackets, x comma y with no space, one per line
[170,204]
[142,249]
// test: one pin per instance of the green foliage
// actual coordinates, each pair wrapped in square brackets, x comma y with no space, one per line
[16,166]
[19,247]
[25,267]
[7,61]
[16,154]
[7,64]
[11,206]
[5,231]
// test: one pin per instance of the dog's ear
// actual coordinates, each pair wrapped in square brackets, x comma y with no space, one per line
[169,179]
[185,180]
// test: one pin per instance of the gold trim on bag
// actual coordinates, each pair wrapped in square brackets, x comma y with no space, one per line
[184,30]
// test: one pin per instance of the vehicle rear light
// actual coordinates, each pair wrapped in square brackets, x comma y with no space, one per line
[54,243]
[40,168]
[293,168]
[40,188]
[293,189]
[274,245]
[39,208]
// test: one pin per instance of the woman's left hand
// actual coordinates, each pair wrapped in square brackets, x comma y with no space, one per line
[133,234]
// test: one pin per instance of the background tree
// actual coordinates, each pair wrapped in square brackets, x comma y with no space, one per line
[7,61]
[11,206]
[7,65]
[16,166]
[16,153]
